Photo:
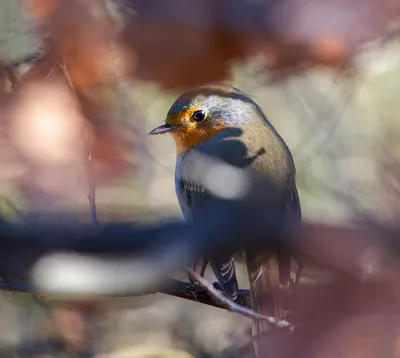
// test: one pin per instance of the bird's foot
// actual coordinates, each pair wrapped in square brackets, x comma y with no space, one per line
[196,289]
[199,268]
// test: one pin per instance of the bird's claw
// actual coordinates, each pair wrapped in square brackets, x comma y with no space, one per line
[200,268]
[196,289]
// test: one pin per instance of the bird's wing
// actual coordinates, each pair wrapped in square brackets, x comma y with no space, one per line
[194,199]
[292,206]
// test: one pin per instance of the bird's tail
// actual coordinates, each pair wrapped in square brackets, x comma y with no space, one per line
[263,274]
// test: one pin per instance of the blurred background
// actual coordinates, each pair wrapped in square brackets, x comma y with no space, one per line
[326,74]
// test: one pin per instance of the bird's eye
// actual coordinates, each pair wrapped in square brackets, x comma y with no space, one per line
[199,115]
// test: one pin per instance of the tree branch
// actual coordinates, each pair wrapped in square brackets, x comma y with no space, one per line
[185,290]
[232,306]
[189,291]
[172,287]
[88,162]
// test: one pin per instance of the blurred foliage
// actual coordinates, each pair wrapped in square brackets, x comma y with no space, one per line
[336,141]
[342,128]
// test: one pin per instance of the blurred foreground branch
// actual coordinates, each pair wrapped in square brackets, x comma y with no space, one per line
[127,260]
[82,259]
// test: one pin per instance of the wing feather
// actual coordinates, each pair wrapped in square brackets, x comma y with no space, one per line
[194,199]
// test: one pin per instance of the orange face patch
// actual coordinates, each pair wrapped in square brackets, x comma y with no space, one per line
[180,118]
[191,132]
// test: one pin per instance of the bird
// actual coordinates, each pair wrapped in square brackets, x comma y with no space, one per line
[222,121]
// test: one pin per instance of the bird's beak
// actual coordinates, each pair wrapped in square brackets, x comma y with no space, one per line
[164,128]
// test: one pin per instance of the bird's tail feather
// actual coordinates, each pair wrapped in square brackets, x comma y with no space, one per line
[263,274]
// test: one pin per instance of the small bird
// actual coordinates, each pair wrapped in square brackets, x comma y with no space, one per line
[223,122]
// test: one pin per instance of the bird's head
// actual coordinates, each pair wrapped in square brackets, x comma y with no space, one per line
[202,113]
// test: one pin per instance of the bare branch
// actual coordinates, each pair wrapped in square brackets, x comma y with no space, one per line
[191,292]
[90,174]
[185,290]
[233,306]
[172,287]
[88,162]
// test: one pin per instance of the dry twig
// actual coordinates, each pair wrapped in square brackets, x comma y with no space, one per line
[88,162]
[234,307]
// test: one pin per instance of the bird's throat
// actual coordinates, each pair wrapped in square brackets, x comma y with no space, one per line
[188,138]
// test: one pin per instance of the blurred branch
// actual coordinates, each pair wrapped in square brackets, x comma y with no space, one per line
[319,309]
[291,36]
[23,246]
[366,257]
[144,257]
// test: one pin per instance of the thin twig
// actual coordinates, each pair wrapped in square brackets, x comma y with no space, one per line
[92,188]
[90,173]
[234,307]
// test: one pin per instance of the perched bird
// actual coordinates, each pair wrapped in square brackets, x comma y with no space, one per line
[223,122]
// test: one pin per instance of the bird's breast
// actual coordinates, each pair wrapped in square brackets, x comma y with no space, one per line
[261,159]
